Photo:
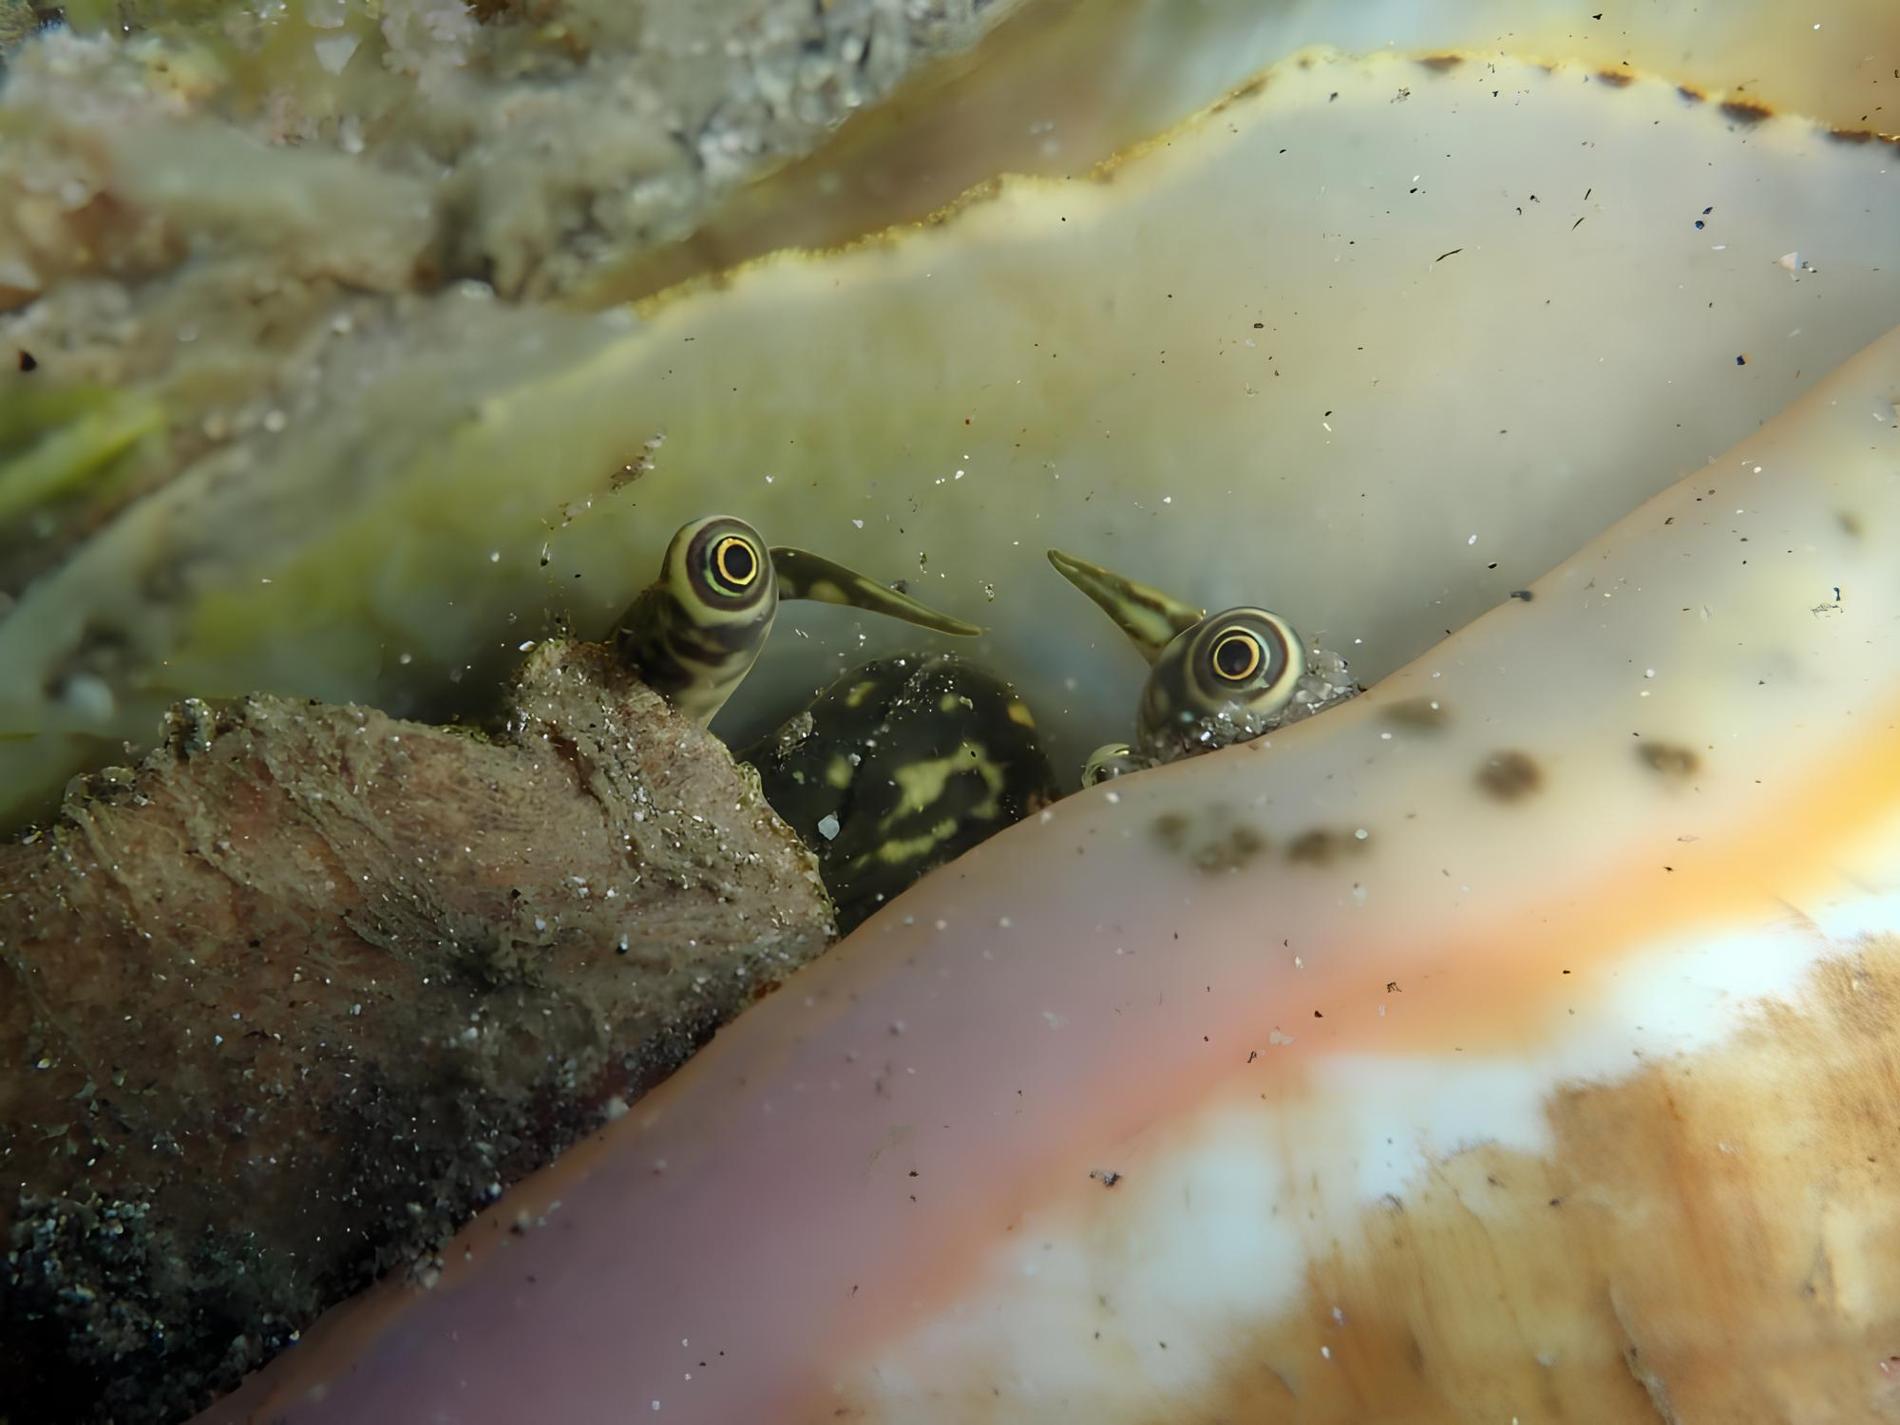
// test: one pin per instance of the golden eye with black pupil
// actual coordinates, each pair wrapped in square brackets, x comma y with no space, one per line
[1237,655]
[735,563]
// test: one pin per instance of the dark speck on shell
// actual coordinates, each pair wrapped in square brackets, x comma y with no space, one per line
[1510,775]
[1669,759]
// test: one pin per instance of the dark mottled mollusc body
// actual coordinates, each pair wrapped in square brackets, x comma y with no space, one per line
[900,765]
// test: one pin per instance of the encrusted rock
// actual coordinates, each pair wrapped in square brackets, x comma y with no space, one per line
[314,984]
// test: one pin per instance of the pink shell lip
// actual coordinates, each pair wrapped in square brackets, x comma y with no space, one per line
[828,1169]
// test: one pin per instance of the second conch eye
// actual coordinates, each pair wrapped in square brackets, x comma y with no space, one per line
[1237,655]
[735,563]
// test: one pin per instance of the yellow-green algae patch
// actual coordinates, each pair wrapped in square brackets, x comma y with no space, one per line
[50,447]
[1374,345]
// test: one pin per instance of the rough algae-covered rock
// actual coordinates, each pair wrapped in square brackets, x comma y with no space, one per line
[283,1006]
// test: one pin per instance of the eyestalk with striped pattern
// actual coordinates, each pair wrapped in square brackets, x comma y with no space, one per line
[695,632]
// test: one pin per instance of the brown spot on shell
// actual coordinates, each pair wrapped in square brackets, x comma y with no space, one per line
[1426,713]
[1851,524]
[1669,758]
[1321,846]
[1441,63]
[1510,775]
[1861,136]
[1615,78]
[1311,848]
[1692,94]
[1230,852]
[1746,111]
[1226,846]
[1170,830]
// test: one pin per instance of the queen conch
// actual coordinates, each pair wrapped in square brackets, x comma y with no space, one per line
[1512,1041]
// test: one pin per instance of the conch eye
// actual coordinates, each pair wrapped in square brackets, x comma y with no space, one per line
[735,564]
[1237,655]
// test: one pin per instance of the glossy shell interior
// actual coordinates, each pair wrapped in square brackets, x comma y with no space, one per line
[1373,344]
